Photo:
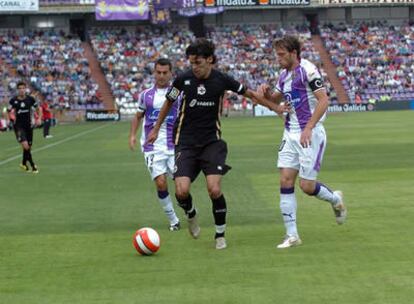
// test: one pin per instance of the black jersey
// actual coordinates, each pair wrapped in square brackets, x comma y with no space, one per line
[23,110]
[198,121]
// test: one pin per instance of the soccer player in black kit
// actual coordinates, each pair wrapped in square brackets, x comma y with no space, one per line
[22,104]
[197,134]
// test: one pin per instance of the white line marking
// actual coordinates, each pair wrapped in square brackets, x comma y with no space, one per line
[55,144]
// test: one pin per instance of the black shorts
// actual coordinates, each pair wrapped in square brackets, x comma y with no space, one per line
[211,159]
[24,134]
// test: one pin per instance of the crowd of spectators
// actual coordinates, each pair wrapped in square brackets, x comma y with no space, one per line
[127,58]
[245,52]
[53,63]
[375,61]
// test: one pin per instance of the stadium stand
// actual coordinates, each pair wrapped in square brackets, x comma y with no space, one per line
[244,51]
[375,61]
[126,58]
[53,63]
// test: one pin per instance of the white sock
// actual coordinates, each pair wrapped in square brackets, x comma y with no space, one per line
[167,206]
[220,228]
[324,193]
[288,207]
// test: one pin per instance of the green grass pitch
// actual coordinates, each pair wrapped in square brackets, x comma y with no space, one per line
[66,233]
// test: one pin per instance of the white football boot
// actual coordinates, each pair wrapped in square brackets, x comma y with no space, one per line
[221,243]
[339,209]
[193,227]
[290,241]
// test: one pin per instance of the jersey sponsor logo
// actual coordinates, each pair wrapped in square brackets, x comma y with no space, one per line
[293,98]
[192,103]
[187,82]
[174,93]
[155,113]
[201,89]
[196,102]
[22,111]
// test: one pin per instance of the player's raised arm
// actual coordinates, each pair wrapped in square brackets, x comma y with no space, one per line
[152,136]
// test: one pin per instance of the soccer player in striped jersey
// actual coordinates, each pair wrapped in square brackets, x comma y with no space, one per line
[300,98]
[159,156]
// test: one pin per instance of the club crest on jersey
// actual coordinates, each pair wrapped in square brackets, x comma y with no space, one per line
[201,89]
[22,104]
[187,82]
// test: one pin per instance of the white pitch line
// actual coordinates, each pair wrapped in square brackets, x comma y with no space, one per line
[55,144]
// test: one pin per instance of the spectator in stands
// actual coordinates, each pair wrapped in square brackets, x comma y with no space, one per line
[54,64]
[375,59]
[245,53]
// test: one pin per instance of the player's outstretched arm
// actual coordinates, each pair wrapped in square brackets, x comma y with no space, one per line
[136,121]
[272,101]
[165,109]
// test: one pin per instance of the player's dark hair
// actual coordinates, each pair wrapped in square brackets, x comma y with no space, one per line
[289,43]
[21,83]
[203,48]
[164,61]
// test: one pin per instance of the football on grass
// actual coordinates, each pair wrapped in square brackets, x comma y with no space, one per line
[146,241]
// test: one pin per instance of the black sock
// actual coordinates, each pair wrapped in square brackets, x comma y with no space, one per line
[24,157]
[187,205]
[219,213]
[29,158]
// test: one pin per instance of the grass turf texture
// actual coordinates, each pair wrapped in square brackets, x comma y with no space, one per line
[65,234]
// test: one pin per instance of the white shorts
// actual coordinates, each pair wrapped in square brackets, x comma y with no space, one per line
[159,164]
[305,160]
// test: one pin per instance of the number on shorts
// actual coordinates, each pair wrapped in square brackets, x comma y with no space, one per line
[150,161]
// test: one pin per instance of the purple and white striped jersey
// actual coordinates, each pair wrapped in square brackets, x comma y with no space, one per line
[150,102]
[297,87]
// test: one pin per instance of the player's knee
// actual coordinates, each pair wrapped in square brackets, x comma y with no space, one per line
[181,193]
[307,187]
[214,191]
[286,182]
[161,183]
